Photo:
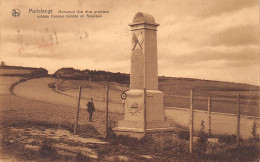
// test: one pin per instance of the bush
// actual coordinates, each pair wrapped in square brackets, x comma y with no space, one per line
[227,139]
[46,150]
[254,132]
[202,142]
[184,135]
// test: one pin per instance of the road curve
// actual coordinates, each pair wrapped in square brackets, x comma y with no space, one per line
[38,89]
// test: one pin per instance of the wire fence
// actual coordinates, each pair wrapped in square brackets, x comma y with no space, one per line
[233,104]
[198,99]
[249,102]
[222,100]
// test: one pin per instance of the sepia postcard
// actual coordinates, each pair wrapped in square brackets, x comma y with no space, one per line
[114,80]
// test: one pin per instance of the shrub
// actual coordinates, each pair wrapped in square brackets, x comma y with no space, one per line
[184,135]
[46,150]
[227,139]
[202,142]
[254,132]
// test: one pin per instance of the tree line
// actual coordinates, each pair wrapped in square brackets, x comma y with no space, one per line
[93,75]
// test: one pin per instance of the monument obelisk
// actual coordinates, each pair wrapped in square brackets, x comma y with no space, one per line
[143,113]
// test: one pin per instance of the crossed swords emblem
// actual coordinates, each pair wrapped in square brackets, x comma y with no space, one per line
[138,40]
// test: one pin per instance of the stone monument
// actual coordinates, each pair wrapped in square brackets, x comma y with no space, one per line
[143,114]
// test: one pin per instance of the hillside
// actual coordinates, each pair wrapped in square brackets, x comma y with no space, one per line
[19,71]
[176,90]
[179,83]
[223,95]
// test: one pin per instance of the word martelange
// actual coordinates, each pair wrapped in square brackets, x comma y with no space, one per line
[40,11]
[45,11]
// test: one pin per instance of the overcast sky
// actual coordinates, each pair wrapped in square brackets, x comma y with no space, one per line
[205,39]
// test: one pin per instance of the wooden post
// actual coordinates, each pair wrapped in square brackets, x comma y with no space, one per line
[191,120]
[106,110]
[77,117]
[144,110]
[238,120]
[209,114]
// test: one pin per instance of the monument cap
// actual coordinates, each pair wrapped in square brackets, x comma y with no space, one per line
[143,18]
[143,21]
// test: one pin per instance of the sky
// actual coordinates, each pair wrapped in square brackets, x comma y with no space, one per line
[213,39]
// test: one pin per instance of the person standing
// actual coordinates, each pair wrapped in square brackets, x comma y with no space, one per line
[90,109]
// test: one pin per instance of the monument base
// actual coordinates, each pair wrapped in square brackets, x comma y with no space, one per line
[136,128]
[133,123]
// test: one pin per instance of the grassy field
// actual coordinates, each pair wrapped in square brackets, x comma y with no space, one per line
[223,95]
[25,72]
[14,71]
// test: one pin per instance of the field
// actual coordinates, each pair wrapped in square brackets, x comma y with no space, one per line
[37,125]
[223,95]
[19,71]
[14,71]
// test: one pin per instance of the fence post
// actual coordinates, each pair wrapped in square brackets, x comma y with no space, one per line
[191,120]
[77,117]
[144,110]
[238,120]
[209,114]
[106,110]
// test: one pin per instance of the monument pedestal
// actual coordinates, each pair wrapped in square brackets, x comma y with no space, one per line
[134,121]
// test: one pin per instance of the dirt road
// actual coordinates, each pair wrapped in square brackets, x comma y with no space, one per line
[37,89]
[6,82]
